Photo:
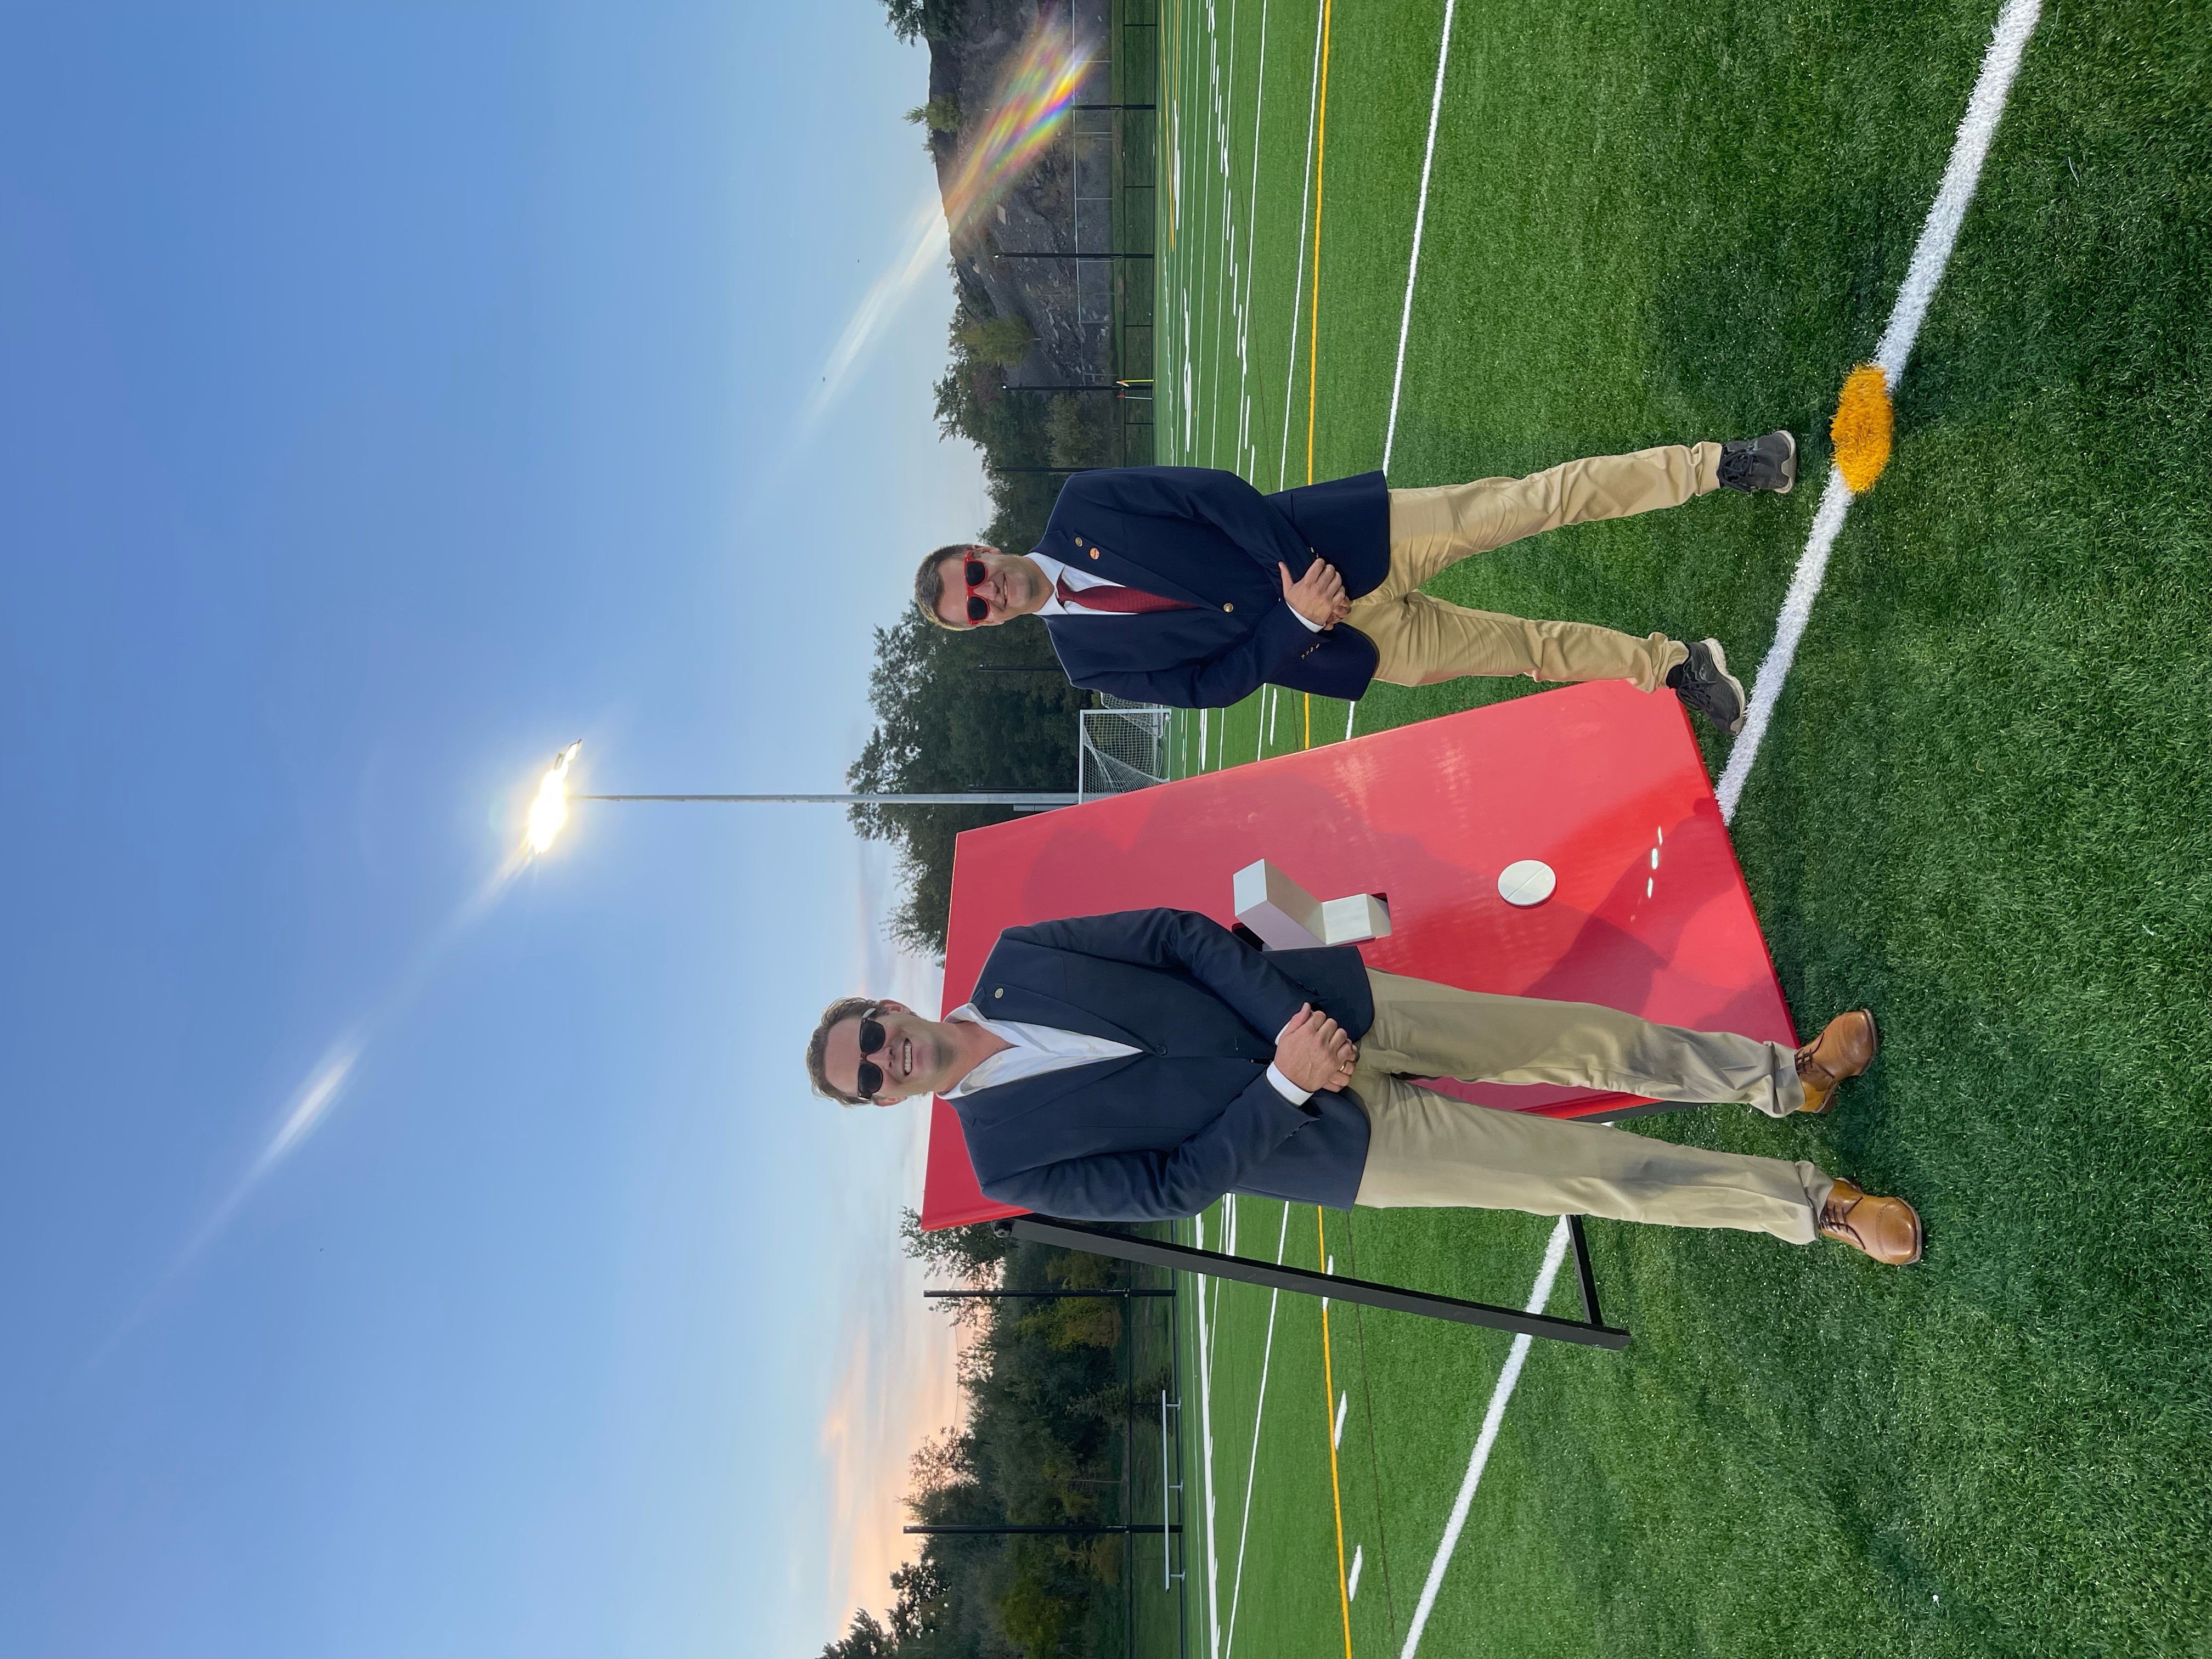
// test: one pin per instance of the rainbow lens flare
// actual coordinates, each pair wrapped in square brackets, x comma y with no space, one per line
[1032,103]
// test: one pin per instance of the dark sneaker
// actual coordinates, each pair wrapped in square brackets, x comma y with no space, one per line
[1753,464]
[1704,685]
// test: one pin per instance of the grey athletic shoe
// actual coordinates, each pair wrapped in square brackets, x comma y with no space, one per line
[1704,685]
[1753,464]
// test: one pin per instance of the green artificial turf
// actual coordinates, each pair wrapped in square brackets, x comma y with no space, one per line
[1982,808]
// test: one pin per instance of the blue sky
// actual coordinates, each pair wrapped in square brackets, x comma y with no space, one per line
[393,393]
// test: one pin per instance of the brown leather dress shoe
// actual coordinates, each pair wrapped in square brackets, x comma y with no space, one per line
[1886,1229]
[1845,1048]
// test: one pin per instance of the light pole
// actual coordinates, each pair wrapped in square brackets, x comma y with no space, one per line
[549,811]
[1037,799]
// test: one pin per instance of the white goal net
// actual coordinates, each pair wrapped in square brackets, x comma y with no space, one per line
[1120,747]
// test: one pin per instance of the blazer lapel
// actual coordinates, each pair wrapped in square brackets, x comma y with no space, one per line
[1028,1007]
[1083,551]
[1014,983]
[987,1108]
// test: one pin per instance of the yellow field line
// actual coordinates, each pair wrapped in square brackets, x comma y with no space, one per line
[1329,1426]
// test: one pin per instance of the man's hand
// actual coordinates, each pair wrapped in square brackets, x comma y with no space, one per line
[1313,1052]
[1318,595]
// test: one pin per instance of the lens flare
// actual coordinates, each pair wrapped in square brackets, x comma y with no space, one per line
[551,810]
[312,1105]
[1032,103]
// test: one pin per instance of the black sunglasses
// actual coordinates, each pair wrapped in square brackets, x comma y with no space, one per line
[975,575]
[870,1078]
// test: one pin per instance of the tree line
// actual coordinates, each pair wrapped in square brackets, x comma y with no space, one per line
[1047,1384]
[1048,1391]
[943,720]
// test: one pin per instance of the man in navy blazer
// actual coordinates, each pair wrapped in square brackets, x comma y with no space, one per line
[1138,1067]
[1186,585]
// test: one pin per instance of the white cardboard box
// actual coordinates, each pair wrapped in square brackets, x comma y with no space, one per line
[1287,917]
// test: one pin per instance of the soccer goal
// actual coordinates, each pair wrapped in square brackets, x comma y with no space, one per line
[1120,746]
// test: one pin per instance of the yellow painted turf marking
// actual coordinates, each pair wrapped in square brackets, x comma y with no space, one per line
[1328,1427]
[1862,430]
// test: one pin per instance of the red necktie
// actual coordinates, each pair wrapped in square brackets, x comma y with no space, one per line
[1123,599]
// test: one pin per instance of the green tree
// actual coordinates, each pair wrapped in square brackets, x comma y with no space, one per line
[1037,1613]
[940,114]
[926,19]
[1039,1444]
[969,1255]
[866,1640]
[1075,429]
[1005,339]
[1083,1322]
[941,725]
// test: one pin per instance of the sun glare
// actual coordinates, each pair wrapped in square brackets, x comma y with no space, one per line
[551,810]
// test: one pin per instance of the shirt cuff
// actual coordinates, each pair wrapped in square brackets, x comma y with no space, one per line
[1285,1087]
[1304,621]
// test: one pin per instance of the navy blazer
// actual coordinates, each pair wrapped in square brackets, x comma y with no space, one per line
[1212,541]
[1166,1131]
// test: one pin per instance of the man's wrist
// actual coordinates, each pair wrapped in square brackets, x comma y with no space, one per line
[1285,1087]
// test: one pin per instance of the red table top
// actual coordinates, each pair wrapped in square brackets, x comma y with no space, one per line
[1595,780]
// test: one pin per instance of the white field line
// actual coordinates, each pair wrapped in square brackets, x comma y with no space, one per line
[1222,249]
[1554,1254]
[1938,235]
[1252,1470]
[1206,1457]
[1228,1248]
[1251,264]
[1225,254]
[1174,141]
[1298,283]
[1420,221]
[1209,242]
[1231,265]
[1188,414]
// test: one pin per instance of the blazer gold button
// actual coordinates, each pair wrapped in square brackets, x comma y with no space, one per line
[1079,541]
[1094,552]
[1228,607]
[1001,992]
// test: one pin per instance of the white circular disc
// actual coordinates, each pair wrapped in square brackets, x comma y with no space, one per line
[1527,881]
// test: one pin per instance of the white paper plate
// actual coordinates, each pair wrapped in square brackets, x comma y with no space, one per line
[1526,882]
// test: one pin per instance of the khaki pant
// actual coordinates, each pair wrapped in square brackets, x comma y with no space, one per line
[1421,638]
[1428,1149]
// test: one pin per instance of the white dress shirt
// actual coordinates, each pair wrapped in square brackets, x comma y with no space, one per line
[1055,574]
[1034,1050]
[1079,579]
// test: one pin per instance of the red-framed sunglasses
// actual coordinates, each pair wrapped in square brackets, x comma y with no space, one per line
[869,1079]
[975,574]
